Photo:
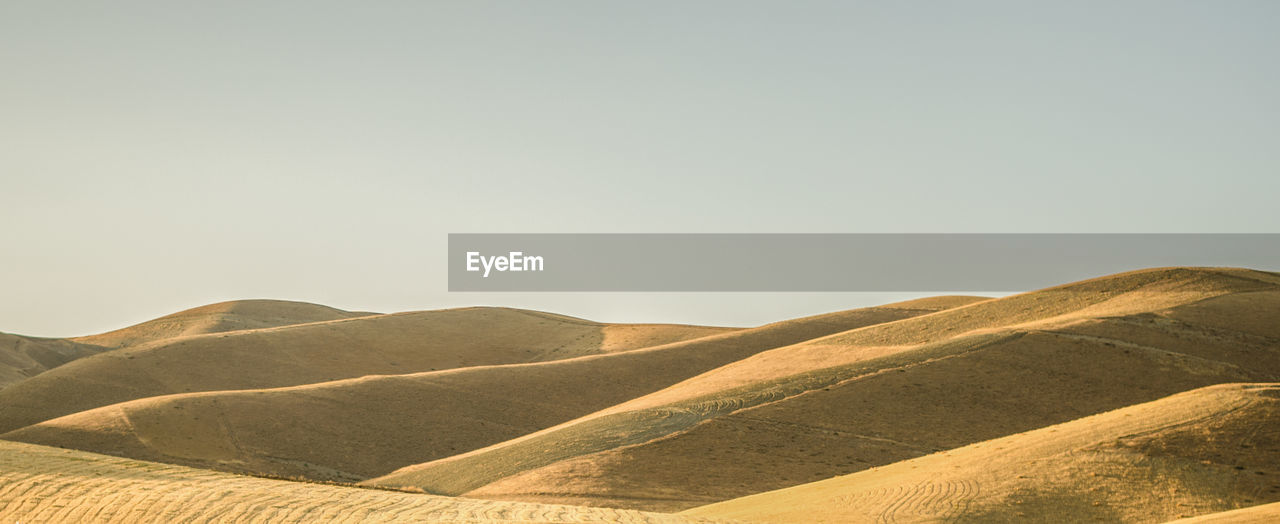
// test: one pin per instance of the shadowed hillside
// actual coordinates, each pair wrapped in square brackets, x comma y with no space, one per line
[1139,397]
[235,315]
[1260,514]
[41,484]
[25,357]
[1197,453]
[891,392]
[359,428]
[319,352]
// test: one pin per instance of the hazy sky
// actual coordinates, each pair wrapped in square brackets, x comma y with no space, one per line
[162,155]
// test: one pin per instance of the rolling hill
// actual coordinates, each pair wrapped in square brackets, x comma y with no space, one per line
[41,484]
[890,392]
[320,352]
[1196,453]
[25,357]
[236,315]
[354,429]
[1139,397]
[1260,514]
[22,357]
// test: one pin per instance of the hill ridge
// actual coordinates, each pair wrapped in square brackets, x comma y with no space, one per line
[57,485]
[23,357]
[832,363]
[480,404]
[219,317]
[318,352]
[1145,478]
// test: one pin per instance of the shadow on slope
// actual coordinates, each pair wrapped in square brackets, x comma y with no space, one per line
[236,315]
[319,352]
[1200,452]
[25,357]
[886,393]
[355,429]
[42,484]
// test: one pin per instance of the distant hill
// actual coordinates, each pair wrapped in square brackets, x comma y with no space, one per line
[399,420]
[25,357]
[890,392]
[320,352]
[1145,396]
[235,315]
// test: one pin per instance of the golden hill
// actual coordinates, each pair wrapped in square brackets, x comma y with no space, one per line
[235,315]
[1260,514]
[1196,453]
[359,428]
[319,352]
[41,484]
[24,357]
[890,392]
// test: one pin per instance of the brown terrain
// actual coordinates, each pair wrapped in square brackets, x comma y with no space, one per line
[1201,452]
[312,352]
[406,419]
[42,484]
[1140,397]
[25,357]
[885,393]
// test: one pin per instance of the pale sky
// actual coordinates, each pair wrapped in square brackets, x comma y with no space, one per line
[156,156]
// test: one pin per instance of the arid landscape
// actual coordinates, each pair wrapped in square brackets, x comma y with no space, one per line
[1147,396]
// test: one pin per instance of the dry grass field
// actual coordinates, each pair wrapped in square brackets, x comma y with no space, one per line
[236,315]
[1208,450]
[885,393]
[1139,397]
[41,484]
[1260,514]
[25,357]
[319,352]
[404,419]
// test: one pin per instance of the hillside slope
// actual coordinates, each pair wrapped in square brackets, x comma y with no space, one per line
[1196,453]
[1260,514]
[319,352]
[22,357]
[890,392]
[40,484]
[25,357]
[359,428]
[234,315]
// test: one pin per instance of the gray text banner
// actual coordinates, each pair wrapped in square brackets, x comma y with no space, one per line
[829,262]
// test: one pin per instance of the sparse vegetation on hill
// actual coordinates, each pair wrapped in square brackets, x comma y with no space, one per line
[1140,397]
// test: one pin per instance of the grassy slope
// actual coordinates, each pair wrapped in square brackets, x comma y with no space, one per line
[41,484]
[1260,514]
[398,420]
[22,357]
[890,392]
[318,352]
[25,357]
[236,315]
[1195,453]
